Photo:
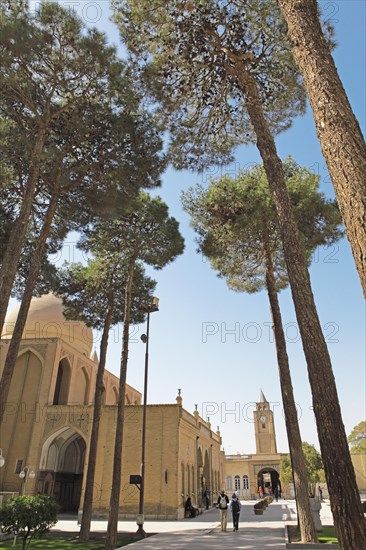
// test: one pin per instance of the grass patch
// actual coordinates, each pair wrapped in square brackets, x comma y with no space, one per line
[327,534]
[64,542]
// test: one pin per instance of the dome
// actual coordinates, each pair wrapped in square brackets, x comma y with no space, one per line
[46,320]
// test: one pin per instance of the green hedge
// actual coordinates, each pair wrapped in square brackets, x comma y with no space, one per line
[28,516]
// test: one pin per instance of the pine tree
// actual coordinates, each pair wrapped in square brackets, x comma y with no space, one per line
[339,133]
[238,232]
[357,438]
[105,147]
[51,67]
[148,234]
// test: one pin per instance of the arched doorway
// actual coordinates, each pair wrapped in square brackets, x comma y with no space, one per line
[268,479]
[62,466]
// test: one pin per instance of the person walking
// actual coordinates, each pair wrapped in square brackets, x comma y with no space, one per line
[235,507]
[320,493]
[223,502]
[206,495]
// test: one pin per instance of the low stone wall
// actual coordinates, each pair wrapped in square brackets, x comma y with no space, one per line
[307,545]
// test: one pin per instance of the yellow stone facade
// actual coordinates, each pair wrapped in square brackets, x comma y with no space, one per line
[245,473]
[48,422]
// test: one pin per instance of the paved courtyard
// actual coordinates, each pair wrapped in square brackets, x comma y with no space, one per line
[256,532]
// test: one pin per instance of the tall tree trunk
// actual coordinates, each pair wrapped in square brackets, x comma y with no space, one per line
[18,231]
[89,484]
[338,130]
[339,471]
[306,522]
[33,274]
[111,540]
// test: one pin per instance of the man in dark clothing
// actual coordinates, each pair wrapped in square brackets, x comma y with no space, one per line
[206,495]
[190,508]
[235,507]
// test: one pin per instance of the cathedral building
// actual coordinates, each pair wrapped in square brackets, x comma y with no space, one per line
[47,426]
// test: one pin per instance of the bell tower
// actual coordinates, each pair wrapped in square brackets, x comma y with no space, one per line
[265,437]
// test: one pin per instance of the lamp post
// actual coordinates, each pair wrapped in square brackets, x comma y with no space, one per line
[149,308]
[24,475]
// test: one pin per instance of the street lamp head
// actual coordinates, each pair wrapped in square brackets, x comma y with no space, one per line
[150,307]
[25,473]
[143,337]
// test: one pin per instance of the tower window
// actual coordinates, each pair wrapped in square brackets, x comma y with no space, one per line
[263,421]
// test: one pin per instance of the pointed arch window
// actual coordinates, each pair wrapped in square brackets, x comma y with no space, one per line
[62,383]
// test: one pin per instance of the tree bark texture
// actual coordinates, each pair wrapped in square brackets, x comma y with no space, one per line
[339,471]
[111,539]
[13,247]
[339,133]
[305,518]
[306,523]
[98,396]
[33,274]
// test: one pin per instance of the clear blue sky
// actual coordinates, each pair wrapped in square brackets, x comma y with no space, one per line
[217,345]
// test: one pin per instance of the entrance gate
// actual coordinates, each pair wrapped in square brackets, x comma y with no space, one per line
[62,466]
